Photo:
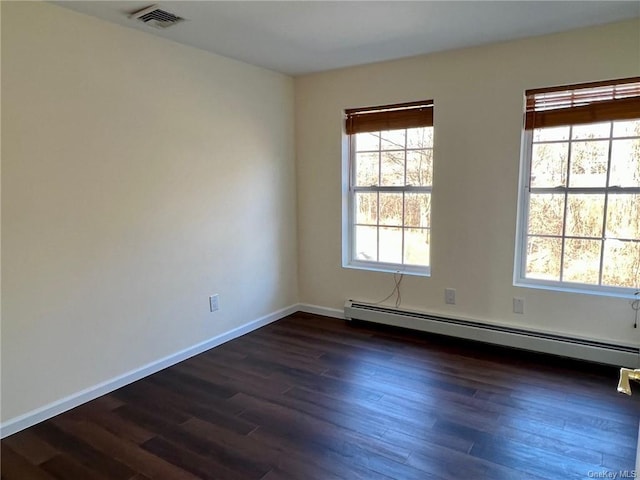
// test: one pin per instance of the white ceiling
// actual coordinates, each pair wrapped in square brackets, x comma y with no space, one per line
[298,37]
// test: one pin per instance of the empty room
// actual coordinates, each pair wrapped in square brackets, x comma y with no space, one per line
[320,240]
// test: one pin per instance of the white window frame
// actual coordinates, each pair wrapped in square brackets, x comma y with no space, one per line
[520,258]
[349,189]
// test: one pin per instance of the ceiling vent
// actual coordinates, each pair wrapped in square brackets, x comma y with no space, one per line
[156,17]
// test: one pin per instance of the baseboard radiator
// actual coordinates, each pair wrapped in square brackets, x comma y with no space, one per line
[591,350]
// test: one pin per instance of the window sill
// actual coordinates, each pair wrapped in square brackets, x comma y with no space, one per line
[627,294]
[389,268]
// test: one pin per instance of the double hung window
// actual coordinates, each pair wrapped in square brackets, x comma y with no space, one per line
[579,213]
[390,172]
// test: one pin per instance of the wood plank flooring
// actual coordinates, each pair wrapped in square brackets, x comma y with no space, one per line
[315,398]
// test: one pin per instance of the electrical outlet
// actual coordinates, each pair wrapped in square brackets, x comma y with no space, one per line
[213,303]
[450,296]
[518,305]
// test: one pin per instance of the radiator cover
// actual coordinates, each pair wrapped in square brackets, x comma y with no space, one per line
[580,348]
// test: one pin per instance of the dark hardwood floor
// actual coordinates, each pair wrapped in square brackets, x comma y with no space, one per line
[315,398]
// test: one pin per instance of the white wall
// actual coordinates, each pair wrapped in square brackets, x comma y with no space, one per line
[139,177]
[478,95]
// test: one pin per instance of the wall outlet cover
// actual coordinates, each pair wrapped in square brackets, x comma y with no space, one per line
[450,296]
[518,305]
[214,303]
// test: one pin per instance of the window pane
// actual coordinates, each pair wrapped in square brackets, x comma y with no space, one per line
[550,134]
[390,176]
[592,130]
[626,129]
[621,264]
[417,210]
[416,246]
[367,169]
[582,197]
[543,258]
[392,169]
[391,209]
[366,243]
[546,213]
[420,168]
[549,165]
[625,163]
[581,261]
[584,215]
[393,139]
[367,141]
[391,245]
[366,208]
[623,216]
[589,164]
[420,137]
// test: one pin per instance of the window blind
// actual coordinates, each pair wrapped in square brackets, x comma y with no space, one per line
[389,117]
[583,103]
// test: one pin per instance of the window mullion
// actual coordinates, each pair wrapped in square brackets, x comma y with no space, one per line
[377,226]
[606,206]
[403,229]
[352,198]
[566,205]
[393,189]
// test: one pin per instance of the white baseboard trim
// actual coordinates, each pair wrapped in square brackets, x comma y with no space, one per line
[59,406]
[318,310]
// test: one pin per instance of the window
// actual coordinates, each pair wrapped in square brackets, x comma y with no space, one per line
[579,225]
[390,174]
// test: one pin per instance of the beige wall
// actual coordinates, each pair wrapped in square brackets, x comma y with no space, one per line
[139,177]
[478,95]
